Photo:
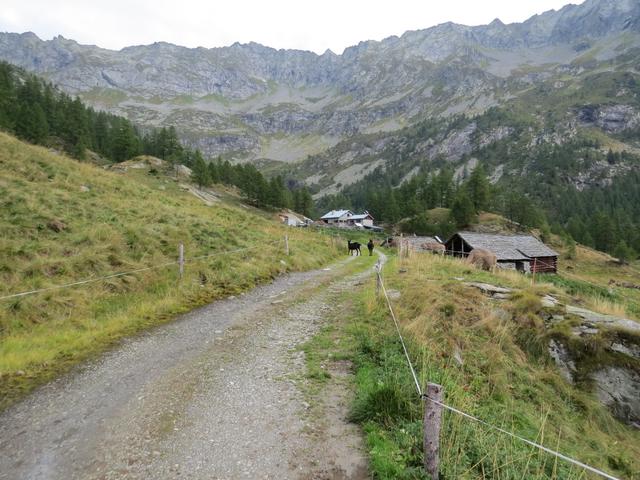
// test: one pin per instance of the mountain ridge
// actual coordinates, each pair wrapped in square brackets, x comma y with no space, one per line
[250,102]
[626,6]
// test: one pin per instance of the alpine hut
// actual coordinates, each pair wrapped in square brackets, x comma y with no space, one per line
[524,253]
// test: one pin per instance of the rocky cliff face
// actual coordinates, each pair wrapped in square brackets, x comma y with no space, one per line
[251,102]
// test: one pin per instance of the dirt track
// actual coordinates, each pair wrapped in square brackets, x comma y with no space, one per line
[213,395]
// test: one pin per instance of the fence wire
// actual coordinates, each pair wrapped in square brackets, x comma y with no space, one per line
[472,417]
[130,272]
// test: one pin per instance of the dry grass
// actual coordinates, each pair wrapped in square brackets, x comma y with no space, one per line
[491,359]
[607,307]
[117,223]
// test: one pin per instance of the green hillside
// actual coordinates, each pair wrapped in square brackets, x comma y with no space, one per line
[63,221]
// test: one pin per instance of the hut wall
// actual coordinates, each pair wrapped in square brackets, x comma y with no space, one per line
[545,265]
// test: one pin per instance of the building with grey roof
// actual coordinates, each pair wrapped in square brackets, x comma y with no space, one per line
[522,252]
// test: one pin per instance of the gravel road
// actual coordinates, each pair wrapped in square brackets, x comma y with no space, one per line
[213,395]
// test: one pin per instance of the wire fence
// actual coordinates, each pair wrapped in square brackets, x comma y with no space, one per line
[180,261]
[466,415]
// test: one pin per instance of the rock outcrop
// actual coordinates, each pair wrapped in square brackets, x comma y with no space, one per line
[612,374]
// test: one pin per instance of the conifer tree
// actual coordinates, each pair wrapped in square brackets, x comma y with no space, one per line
[200,172]
[462,210]
[478,188]
[570,245]
[214,172]
[623,252]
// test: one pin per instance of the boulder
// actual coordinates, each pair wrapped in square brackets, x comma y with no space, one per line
[594,319]
[493,291]
[619,389]
[182,171]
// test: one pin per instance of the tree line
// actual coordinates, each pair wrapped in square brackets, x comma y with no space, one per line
[38,112]
[259,190]
[408,204]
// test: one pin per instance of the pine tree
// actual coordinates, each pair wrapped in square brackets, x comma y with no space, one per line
[214,172]
[306,203]
[623,252]
[462,210]
[443,188]
[391,209]
[276,192]
[478,188]
[200,172]
[31,123]
[545,233]
[570,245]
[125,143]
[79,150]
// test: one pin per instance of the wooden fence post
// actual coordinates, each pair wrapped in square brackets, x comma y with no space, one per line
[431,438]
[181,259]
[378,281]
[286,245]
[533,273]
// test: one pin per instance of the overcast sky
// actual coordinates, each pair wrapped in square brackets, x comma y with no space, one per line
[334,24]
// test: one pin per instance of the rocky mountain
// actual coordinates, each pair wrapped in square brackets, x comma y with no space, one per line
[338,117]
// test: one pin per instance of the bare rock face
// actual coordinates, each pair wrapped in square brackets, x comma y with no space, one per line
[494,135]
[563,360]
[616,378]
[626,348]
[457,144]
[619,389]
[610,118]
[616,118]
[600,320]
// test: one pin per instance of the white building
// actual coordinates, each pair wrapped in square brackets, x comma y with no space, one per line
[337,217]
[346,218]
[292,219]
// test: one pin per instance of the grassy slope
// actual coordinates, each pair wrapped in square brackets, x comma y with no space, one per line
[123,223]
[506,378]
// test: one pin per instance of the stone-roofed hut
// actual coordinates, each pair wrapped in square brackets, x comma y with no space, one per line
[420,244]
[524,253]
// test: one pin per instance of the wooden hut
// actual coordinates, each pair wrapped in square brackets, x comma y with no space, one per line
[524,253]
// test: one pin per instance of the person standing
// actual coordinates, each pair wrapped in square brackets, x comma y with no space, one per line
[370,247]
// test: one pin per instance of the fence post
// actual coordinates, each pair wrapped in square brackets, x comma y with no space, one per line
[378,280]
[431,438]
[181,259]
[533,274]
[286,245]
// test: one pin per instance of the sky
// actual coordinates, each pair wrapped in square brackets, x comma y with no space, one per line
[316,26]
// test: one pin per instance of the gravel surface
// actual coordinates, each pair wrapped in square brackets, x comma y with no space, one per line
[213,395]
